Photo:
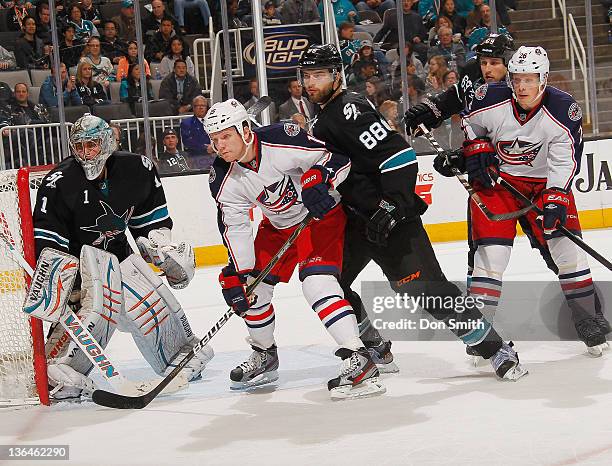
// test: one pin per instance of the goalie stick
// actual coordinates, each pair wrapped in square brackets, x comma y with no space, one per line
[79,333]
[571,236]
[473,194]
[114,400]
[258,107]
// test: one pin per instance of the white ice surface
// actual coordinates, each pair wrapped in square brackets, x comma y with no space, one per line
[437,410]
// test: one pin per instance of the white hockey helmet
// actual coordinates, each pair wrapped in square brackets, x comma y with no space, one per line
[90,128]
[223,115]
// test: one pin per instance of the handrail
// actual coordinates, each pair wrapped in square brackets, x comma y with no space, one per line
[578,51]
[563,9]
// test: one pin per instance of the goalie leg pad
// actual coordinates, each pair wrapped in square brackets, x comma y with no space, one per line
[101,303]
[68,383]
[153,315]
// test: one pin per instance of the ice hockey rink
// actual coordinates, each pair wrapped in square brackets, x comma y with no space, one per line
[437,411]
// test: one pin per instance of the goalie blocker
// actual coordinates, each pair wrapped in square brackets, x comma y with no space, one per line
[127,296]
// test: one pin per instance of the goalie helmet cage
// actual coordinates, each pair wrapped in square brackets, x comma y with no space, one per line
[23,365]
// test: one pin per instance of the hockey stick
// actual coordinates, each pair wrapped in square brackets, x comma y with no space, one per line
[114,400]
[473,194]
[258,107]
[568,234]
[79,332]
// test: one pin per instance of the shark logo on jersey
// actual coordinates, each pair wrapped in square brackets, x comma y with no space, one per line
[518,152]
[279,196]
[109,224]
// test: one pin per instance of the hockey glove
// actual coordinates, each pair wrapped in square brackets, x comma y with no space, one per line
[379,227]
[556,202]
[480,156]
[444,163]
[233,287]
[426,113]
[315,191]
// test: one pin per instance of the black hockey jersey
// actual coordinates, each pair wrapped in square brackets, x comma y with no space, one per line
[458,98]
[383,163]
[72,211]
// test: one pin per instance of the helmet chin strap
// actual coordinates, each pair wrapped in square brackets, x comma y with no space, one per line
[333,90]
[247,146]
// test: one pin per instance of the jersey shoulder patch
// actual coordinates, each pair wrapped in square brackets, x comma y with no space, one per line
[287,134]
[219,170]
[490,94]
[563,107]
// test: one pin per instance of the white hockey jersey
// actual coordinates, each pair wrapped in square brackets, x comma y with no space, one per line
[544,144]
[272,182]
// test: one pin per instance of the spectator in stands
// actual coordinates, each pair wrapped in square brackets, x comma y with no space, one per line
[195,139]
[171,160]
[7,60]
[118,134]
[160,41]
[413,64]
[296,103]
[437,68]
[442,21]
[103,71]
[366,54]
[450,77]
[112,47]
[473,18]
[126,26]
[29,49]
[43,22]
[453,52]
[344,12]
[23,111]
[233,18]
[416,90]
[271,16]
[176,50]
[349,46]
[130,91]
[48,91]
[127,61]
[152,20]
[70,48]
[376,91]
[91,13]
[181,5]
[389,110]
[84,28]
[254,97]
[302,11]
[458,21]
[179,88]
[91,92]
[379,6]
[414,31]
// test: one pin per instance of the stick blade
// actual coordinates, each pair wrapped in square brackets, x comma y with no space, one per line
[259,106]
[114,400]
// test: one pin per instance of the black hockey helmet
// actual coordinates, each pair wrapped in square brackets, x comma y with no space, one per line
[496,46]
[321,56]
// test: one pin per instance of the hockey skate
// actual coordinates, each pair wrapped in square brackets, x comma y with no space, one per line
[383,357]
[358,376]
[475,359]
[506,363]
[261,368]
[592,335]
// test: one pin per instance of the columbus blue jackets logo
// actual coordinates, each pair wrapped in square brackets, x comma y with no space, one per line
[481,92]
[575,112]
[279,196]
[291,129]
[109,224]
[518,152]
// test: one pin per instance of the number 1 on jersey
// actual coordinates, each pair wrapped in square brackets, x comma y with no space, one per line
[86,196]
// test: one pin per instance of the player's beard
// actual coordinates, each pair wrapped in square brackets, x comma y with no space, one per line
[318,96]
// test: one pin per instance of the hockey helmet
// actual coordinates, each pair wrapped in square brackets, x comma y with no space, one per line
[227,114]
[92,129]
[496,46]
[324,56]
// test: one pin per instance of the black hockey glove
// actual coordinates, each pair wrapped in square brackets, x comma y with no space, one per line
[426,112]
[444,163]
[480,156]
[379,226]
[315,191]
[233,287]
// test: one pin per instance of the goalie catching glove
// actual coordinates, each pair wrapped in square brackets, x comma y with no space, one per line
[177,261]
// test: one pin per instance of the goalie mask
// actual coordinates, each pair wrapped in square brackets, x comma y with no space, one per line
[92,142]
[223,115]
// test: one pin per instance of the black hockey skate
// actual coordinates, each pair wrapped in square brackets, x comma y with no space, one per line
[383,357]
[603,323]
[358,376]
[259,369]
[474,358]
[592,335]
[506,363]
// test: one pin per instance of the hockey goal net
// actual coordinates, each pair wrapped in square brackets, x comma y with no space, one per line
[23,368]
